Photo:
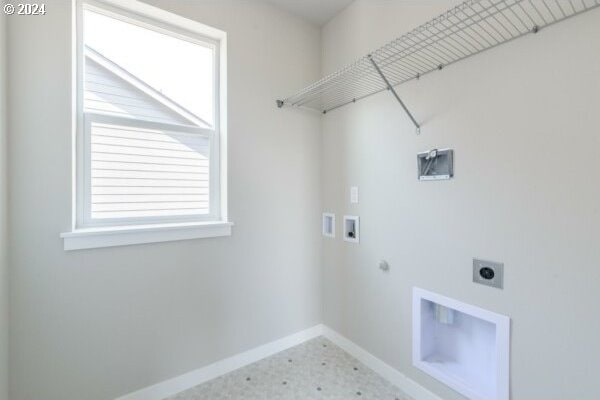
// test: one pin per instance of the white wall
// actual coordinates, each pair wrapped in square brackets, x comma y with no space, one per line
[96,324]
[3,226]
[523,120]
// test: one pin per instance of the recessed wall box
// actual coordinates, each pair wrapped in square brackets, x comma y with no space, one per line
[351,229]
[436,164]
[329,225]
[461,345]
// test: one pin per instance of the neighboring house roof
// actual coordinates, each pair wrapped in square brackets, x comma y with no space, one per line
[110,88]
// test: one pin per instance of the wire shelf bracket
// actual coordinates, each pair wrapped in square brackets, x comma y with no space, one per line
[470,28]
[391,89]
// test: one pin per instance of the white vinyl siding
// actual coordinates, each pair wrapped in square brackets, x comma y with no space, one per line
[105,92]
[148,173]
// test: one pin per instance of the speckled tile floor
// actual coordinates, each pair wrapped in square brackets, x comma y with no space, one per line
[315,370]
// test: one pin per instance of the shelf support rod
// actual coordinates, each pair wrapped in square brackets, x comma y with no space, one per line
[391,89]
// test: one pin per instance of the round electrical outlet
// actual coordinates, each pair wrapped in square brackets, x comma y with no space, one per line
[487,273]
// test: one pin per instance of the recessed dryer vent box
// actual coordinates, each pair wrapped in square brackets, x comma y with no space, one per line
[435,165]
[462,346]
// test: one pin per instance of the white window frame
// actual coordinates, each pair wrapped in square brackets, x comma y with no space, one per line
[88,233]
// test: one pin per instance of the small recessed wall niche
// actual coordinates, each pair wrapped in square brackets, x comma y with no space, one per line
[436,165]
[463,346]
[329,225]
[351,228]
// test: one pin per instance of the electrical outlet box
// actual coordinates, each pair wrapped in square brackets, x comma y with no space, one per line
[488,273]
[351,229]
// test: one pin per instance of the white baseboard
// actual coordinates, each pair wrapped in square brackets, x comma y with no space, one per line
[407,385]
[176,385]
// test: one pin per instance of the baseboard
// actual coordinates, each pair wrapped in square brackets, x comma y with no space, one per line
[176,385]
[394,376]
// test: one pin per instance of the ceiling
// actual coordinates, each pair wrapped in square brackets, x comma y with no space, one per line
[316,11]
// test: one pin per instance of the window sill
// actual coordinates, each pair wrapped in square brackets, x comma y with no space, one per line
[127,235]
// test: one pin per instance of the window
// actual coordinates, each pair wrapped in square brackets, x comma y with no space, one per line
[148,144]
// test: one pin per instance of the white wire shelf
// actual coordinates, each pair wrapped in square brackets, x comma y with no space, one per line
[468,29]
